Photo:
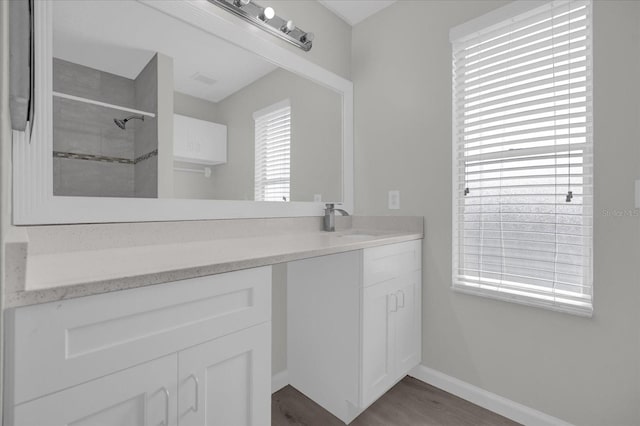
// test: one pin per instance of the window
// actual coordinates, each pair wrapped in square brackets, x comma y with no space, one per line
[523,155]
[273,152]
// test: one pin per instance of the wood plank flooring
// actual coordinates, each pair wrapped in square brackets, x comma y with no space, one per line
[409,403]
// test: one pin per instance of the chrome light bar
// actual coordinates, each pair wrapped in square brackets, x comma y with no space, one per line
[265,18]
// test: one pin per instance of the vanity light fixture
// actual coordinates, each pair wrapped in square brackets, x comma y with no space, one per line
[266,18]
[288,27]
[267,14]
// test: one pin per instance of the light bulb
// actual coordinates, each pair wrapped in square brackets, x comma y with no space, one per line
[267,13]
[288,27]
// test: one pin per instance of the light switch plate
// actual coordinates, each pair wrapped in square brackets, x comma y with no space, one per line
[394,200]
[317,198]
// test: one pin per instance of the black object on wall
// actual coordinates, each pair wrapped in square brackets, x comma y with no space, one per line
[21,60]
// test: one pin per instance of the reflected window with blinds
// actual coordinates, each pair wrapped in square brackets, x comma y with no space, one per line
[523,155]
[273,152]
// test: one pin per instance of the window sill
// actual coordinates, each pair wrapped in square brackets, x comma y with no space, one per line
[585,310]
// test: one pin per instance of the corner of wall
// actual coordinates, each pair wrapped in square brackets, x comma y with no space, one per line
[5,166]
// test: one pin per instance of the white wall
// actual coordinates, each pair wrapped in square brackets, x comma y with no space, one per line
[584,371]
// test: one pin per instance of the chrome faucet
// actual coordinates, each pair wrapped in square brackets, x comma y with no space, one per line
[330,217]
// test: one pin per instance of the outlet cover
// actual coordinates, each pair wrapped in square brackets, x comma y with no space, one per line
[394,200]
[317,198]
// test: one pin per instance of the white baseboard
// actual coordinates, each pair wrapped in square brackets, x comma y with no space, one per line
[498,404]
[279,380]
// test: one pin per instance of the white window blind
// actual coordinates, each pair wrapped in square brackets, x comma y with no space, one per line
[273,152]
[523,157]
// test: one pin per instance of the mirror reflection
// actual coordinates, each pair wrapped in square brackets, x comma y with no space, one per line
[145,105]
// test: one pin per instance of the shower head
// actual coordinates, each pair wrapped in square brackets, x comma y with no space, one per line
[122,122]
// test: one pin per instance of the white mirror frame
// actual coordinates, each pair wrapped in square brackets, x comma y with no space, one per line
[33,200]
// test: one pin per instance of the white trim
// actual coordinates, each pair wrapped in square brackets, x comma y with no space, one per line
[485,399]
[552,303]
[103,104]
[272,108]
[492,24]
[494,19]
[33,198]
[279,380]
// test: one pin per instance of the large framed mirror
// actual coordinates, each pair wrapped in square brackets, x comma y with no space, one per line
[172,110]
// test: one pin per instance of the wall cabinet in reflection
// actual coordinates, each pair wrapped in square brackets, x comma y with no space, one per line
[199,141]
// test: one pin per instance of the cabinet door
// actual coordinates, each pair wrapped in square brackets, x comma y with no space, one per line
[407,324]
[379,306]
[227,381]
[144,395]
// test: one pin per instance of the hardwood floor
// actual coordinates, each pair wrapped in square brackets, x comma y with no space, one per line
[409,403]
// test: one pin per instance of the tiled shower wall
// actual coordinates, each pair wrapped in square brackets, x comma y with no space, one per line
[92,156]
[146,98]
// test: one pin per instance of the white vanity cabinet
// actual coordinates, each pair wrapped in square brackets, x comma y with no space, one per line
[159,355]
[225,381]
[354,324]
[391,317]
[139,396]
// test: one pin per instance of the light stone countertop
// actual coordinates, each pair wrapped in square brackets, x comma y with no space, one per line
[62,274]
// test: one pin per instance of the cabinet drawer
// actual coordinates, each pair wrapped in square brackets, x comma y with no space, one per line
[61,344]
[387,262]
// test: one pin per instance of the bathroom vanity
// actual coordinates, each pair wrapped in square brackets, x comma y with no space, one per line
[197,350]
[134,304]
[353,324]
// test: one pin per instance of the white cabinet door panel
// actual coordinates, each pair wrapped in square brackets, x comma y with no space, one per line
[377,341]
[233,385]
[144,395]
[408,324]
[391,327]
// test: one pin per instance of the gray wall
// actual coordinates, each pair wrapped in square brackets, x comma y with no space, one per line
[146,132]
[164,119]
[191,106]
[584,371]
[187,184]
[331,48]
[279,318]
[82,128]
[316,135]
[5,167]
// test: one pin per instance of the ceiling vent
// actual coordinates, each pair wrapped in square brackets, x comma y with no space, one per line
[203,79]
